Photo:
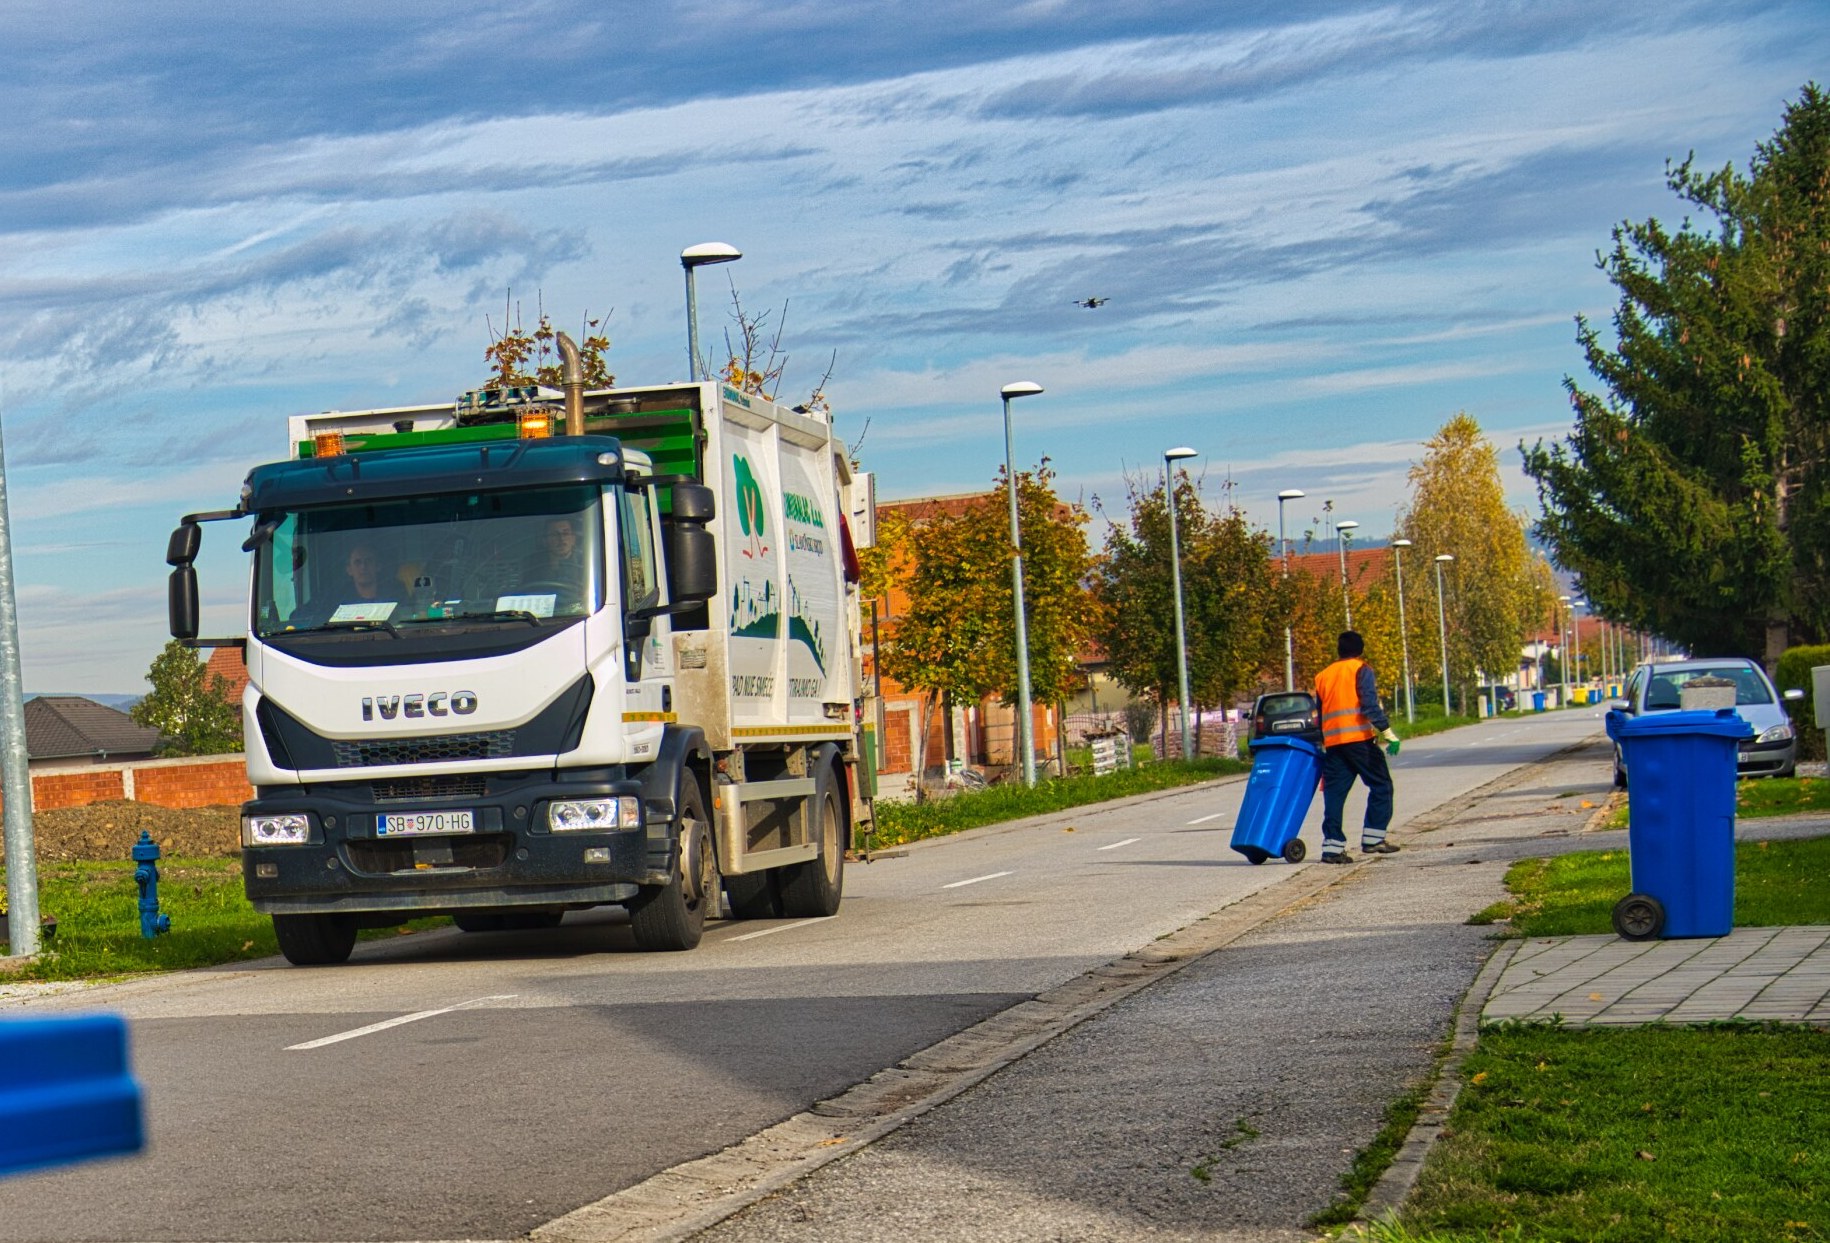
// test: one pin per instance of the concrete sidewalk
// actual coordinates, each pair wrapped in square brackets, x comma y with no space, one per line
[1226,1101]
[1763,975]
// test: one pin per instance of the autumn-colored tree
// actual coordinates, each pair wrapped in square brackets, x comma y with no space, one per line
[957,635]
[1234,599]
[519,357]
[1491,593]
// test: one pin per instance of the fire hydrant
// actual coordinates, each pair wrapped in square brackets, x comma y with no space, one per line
[146,876]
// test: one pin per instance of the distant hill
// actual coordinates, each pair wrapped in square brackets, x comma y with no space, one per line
[119,702]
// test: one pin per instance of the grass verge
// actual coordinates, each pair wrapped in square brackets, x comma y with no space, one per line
[1776,883]
[1703,1134]
[98,921]
[909,822]
[1781,796]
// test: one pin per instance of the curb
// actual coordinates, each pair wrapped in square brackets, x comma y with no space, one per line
[1401,1175]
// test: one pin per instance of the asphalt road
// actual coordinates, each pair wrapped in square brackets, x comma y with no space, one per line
[446,1085]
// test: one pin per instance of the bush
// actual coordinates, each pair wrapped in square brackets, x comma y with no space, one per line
[1795,670]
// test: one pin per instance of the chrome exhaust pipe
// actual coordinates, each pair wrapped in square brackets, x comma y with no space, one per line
[574,384]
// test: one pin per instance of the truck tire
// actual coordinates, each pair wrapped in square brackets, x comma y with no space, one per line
[754,895]
[315,940]
[672,916]
[812,890]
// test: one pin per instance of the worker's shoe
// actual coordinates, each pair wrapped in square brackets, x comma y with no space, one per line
[1382,848]
[1340,858]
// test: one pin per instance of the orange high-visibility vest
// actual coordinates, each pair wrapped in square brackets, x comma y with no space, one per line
[1342,718]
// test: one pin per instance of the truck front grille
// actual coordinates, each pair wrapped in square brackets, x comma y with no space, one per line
[422,789]
[380,858]
[368,752]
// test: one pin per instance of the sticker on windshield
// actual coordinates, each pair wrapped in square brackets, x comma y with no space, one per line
[364,611]
[538,605]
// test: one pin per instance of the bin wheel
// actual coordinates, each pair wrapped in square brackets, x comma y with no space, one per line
[1254,855]
[1639,917]
[1295,851]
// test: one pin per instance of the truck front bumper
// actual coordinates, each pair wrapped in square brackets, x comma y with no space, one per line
[511,858]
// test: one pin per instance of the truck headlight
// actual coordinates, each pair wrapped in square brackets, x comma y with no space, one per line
[292,829]
[595,814]
[1778,733]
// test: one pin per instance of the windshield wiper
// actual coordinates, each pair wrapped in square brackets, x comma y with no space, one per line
[533,619]
[367,623]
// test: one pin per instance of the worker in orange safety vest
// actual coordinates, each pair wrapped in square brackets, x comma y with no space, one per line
[1353,726]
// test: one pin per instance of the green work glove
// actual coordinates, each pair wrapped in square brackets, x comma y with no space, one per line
[1391,742]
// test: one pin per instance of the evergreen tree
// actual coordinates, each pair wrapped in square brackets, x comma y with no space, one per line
[1692,498]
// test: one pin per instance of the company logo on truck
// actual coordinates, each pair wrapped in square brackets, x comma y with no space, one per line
[438,703]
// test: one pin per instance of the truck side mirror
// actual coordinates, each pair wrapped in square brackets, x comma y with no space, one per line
[692,555]
[181,600]
[182,548]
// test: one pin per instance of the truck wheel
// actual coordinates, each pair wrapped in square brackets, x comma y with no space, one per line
[754,895]
[812,890]
[672,916]
[315,940]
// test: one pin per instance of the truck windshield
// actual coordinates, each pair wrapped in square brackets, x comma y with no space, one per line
[515,556]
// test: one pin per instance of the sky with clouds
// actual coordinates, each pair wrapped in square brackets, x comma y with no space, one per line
[1323,227]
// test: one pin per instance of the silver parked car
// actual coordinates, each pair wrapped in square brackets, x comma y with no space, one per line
[1771,752]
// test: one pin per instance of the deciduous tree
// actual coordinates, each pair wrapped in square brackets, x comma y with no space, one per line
[188,705]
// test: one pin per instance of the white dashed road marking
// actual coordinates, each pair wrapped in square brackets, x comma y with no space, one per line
[769,932]
[382,1026]
[1126,842]
[975,880]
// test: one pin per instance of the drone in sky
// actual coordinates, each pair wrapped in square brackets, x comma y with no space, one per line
[1091,303]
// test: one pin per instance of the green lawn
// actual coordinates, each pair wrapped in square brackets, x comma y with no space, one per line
[1720,1133]
[1716,1135]
[1775,883]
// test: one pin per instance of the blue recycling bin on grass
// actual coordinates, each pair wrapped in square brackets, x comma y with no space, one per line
[1680,821]
[1277,797]
[1537,701]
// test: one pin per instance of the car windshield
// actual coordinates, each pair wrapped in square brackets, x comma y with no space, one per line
[1664,688]
[521,556]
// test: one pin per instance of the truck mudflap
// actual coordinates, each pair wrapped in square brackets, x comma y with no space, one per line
[508,856]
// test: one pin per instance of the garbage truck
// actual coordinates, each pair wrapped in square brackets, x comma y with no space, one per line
[547,649]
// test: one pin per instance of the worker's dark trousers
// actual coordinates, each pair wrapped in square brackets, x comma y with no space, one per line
[1340,765]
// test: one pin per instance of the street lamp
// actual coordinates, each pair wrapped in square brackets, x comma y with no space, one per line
[1342,535]
[1442,630]
[1170,458]
[1404,638]
[1010,392]
[1575,628]
[694,257]
[1288,494]
[1563,651]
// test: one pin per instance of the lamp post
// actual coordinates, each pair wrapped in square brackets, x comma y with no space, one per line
[1341,536]
[1010,392]
[1170,458]
[1442,629]
[1288,494]
[1575,631]
[1563,651]
[692,258]
[1404,637]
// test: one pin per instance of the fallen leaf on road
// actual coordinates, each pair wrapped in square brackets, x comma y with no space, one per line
[1594,996]
[828,1143]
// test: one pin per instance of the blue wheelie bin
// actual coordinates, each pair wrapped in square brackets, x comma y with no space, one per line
[1680,821]
[1277,797]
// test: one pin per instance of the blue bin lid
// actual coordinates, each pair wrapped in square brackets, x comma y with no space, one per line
[1717,722]
[1296,744]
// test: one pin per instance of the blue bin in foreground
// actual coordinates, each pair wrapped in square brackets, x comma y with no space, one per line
[1680,821]
[1277,797]
[66,1093]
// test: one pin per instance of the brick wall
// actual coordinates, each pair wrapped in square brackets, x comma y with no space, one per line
[196,781]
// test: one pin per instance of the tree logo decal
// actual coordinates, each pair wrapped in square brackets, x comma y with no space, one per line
[750,506]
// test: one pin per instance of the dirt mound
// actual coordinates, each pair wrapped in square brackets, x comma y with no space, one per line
[109,830]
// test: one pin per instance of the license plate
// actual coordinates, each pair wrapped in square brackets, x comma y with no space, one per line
[416,823]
